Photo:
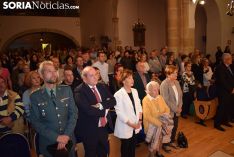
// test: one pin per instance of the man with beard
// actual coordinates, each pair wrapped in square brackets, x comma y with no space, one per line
[53,113]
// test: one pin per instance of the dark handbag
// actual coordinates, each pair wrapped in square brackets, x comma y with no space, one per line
[182,140]
[52,149]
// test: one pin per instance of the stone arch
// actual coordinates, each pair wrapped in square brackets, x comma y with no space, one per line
[10,40]
[214,25]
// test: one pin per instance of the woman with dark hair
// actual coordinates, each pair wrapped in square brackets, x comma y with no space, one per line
[34,62]
[129,114]
[197,70]
[115,84]
[188,87]
[69,62]
[227,49]
[170,59]
[144,59]
[111,61]
[127,61]
[32,82]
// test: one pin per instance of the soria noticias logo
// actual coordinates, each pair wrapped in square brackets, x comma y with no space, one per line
[37,5]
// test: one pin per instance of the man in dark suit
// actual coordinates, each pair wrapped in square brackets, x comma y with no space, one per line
[141,79]
[77,71]
[93,101]
[225,84]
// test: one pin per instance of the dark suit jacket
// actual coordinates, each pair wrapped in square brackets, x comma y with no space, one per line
[87,123]
[138,84]
[77,78]
[224,80]
[50,119]
[198,73]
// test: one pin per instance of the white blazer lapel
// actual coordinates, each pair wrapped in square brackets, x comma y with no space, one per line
[127,100]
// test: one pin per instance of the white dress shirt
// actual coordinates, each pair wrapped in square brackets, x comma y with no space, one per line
[103,67]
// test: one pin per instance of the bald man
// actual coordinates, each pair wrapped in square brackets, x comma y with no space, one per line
[93,101]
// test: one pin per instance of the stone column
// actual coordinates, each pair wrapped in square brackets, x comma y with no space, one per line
[116,42]
[173,39]
[188,31]
[115,22]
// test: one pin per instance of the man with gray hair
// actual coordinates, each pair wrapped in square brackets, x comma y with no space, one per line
[53,113]
[225,87]
[93,101]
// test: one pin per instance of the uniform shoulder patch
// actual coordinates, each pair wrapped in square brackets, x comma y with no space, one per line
[36,90]
[63,85]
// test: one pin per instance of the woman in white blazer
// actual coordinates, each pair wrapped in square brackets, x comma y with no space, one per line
[129,114]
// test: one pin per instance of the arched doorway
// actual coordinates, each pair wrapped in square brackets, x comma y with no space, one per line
[207,27]
[200,28]
[36,40]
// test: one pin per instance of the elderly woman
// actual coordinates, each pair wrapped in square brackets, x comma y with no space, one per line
[156,119]
[172,94]
[33,82]
[129,114]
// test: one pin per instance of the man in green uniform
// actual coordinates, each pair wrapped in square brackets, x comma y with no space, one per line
[53,113]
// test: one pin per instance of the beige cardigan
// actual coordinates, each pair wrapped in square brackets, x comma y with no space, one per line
[152,109]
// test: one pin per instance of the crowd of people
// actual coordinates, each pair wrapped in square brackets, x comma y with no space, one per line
[67,96]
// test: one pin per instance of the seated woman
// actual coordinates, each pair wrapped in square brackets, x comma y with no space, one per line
[158,123]
[33,82]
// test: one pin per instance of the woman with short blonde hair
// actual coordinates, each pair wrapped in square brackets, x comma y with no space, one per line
[33,82]
[171,92]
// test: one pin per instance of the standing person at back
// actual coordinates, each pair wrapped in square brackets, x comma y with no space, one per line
[102,66]
[225,84]
[93,101]
[141,79]
[77,71]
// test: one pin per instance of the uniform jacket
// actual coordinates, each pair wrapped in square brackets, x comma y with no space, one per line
[52,119]
[87,124]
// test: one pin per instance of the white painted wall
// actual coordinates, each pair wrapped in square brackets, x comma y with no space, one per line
[95,19]
[200,28]
[227,24]
[152,13]
[11,26]
[219,26]
[214,27]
